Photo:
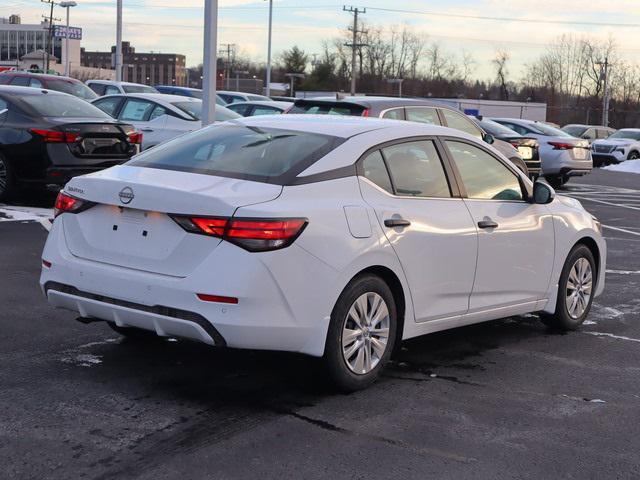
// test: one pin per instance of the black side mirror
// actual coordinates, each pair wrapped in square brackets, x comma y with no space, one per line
[488,138]
[543,193]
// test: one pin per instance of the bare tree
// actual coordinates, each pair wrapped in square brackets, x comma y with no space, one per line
[500,64]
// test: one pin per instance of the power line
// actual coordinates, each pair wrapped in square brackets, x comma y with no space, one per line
[505,19]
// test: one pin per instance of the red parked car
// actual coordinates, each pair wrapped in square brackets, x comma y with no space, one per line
[50,82]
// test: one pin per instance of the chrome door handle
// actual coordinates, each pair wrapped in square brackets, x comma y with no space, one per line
[396,223]
[487,224]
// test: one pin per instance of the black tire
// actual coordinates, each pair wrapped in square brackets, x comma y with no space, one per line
[556,181]
[7,180]
[561,318]
[334,363]
[132,333]
[633,155]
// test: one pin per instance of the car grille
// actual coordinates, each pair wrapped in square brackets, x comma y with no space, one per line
[603,148]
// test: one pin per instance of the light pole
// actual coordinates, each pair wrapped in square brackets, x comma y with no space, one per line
[118,62]
[268,89]
[67,5]
[209,62]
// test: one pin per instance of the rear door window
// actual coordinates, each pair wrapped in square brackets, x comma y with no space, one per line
[35,83]
[136,110]
[111,90]
[374,169]
[262,110]
[97,87]
[109,105]
[239,108]
[416,170]
[328,108]
[460,122]
[423,115]
[394,114]
[157,112]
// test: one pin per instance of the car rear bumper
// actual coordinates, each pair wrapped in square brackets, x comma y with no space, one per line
[265,317]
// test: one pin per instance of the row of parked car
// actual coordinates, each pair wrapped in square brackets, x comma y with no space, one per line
[63,137]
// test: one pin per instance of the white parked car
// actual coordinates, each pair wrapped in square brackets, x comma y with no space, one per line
[158,116]
[618,147]
[334,237]
[111,87]
[562,155]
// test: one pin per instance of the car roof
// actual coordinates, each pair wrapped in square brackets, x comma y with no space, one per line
[46,76]
[371,101]
[343,126]
[178,88]
[114,82]
[158,97]
[271,103]
[630,129]
[514,120]
[28,90]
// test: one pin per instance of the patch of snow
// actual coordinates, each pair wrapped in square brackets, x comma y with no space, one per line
[628,166]
[84,360]
[611,335]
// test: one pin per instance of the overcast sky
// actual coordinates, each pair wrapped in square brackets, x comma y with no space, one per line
[176,25]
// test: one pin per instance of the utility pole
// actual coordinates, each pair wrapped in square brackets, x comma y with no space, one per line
[227,48]
[604,76]
[210,61]
[354,45]
[118,62]
[268,89]
[49,47]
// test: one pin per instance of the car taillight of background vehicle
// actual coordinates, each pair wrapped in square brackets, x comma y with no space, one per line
[135,138]
[55,136]
[365,112]
[561,145]
[252,234]
[68,204]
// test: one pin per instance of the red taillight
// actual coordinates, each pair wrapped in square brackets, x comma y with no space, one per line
[365,112]
[216,298]
[68,204]
[561,146]
[255,235]
[54,136]
[135,138]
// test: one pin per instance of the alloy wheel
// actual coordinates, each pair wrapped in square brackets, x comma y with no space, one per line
[579,285]
[365,333]
[3,176]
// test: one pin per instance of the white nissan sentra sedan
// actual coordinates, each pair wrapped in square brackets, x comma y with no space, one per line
[334,237]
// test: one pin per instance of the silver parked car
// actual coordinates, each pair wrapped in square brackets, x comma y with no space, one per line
[563,156]
[409,109]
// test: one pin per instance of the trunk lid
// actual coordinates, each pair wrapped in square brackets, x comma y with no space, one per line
[98,139]
[130,226]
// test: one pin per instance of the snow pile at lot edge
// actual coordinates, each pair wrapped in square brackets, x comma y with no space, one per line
[629,166]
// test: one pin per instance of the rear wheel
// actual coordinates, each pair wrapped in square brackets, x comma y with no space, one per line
[575,291]
[7,182]
[633,155]
[556,181]
[133,333]
[361,333]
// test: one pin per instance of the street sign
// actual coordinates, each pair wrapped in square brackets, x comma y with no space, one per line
[60,31]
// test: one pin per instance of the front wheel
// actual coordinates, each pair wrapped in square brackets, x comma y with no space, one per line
[7,182]
[575,291]
[361,333]
[633,155]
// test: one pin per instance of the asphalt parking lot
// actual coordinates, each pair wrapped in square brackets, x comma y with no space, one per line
[504,399]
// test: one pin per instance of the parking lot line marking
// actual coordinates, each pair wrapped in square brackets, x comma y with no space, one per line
[611,335]
[623,230]
[609,203]
[624,272]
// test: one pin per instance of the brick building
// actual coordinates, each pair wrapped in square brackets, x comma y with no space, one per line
[149,68]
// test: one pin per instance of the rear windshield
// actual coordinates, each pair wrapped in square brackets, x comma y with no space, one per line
[326,108]
[549,130]
[497,130]
[138,89]
[575,131]
[56,105]
[76,89]
[195,110]
[267,155]
[628,134]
